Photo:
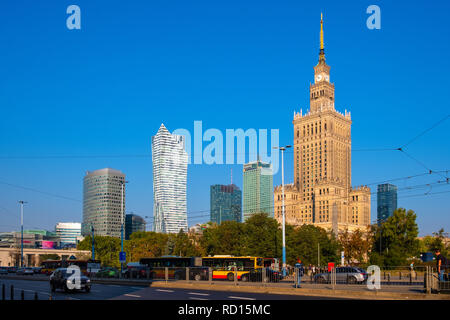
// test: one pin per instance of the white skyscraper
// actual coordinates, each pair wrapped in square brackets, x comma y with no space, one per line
[169,182]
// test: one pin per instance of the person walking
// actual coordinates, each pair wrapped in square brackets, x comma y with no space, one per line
[441,264]
[299,273]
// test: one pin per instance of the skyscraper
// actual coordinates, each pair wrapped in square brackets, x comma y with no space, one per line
[386,201]
[102,199]
[225,203]
[258,189]
[321,193]
[133,223]
[169,182]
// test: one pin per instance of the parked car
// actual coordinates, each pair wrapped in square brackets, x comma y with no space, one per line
[256,275]
[60,279]
[3,270]
[12,269]
[137,271]
[37,269]
[197,274]
[349,275]
[25,271]
[107,272]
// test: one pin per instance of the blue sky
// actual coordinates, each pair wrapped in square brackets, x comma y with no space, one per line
[105,90]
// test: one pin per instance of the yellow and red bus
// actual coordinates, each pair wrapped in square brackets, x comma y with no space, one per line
[224,266]
[176,267]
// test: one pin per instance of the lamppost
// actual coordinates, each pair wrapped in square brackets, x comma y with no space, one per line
[282,208]
[21,231]
[93,242]
[122,226]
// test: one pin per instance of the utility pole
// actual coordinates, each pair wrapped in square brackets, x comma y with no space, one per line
[21,231]
[93,243]
[282,207]
[122,227]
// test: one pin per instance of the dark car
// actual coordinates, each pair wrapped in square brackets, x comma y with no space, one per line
[197,274]
[3,270]
[351,275]
[12,269]
[136,272]
[256,275]
[61,279]
[37,269]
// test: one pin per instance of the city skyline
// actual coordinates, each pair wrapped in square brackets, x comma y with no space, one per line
[387,91]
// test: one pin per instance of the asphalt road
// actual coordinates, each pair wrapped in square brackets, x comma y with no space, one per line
[126,292]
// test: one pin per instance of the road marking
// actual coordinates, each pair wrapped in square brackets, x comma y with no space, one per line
[162,290]
[199,294]
[196,298]
[133,295]
[242,298]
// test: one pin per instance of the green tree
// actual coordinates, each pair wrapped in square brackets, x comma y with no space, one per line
[106,249]
[262,236]
[307,242]
[226,238]
[355,245]
[398,239]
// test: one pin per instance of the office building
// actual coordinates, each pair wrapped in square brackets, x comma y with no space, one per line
[169,182]
[225,203]
[68,232]
[257,189]
[133,223]
[103,207]
[386,201]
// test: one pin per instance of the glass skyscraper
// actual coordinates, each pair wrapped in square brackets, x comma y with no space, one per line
[386,201]
[133,223]
[169,182]
[225,203]
[102,199]
[258,189]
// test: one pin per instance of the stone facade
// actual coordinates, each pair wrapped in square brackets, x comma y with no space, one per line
[321,193]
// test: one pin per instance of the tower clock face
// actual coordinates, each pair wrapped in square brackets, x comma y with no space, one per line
[319,77]
[327,78]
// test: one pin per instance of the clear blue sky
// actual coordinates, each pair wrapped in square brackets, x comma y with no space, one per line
[105,90]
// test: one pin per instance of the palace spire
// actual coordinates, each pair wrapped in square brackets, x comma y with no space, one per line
[322,52]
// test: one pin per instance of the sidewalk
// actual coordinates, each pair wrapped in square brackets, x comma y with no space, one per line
[350,292]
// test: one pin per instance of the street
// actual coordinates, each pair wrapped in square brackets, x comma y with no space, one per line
[126,292]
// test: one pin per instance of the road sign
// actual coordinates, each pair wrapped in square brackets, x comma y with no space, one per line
[122,257]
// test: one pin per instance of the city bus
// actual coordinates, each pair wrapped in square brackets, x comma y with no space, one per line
[176,267]
[223,267]
[49,266]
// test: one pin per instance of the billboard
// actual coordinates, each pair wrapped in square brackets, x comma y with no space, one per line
[48,244]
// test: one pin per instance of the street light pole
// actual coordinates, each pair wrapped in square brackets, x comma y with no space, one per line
[93,243]
[21,231]
[122,227]
[282,208]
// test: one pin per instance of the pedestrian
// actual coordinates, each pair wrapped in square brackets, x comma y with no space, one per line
[299,272]
[441,264]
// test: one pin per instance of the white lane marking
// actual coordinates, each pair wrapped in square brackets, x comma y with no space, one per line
[162,290]
[199,294]
[242,298]
[196,298]
[133,295]
[70,298]
[44,293]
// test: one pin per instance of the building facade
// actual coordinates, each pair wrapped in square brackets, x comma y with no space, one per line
[133,223]
[103,202]
[225,203]
[169,182]
[257,189]
[386,201]
[68,232]
[321,193]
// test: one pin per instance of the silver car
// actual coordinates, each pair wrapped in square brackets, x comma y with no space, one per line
[349,275]
[25,271]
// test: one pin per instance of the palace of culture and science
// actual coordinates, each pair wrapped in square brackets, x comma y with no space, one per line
[322,194]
